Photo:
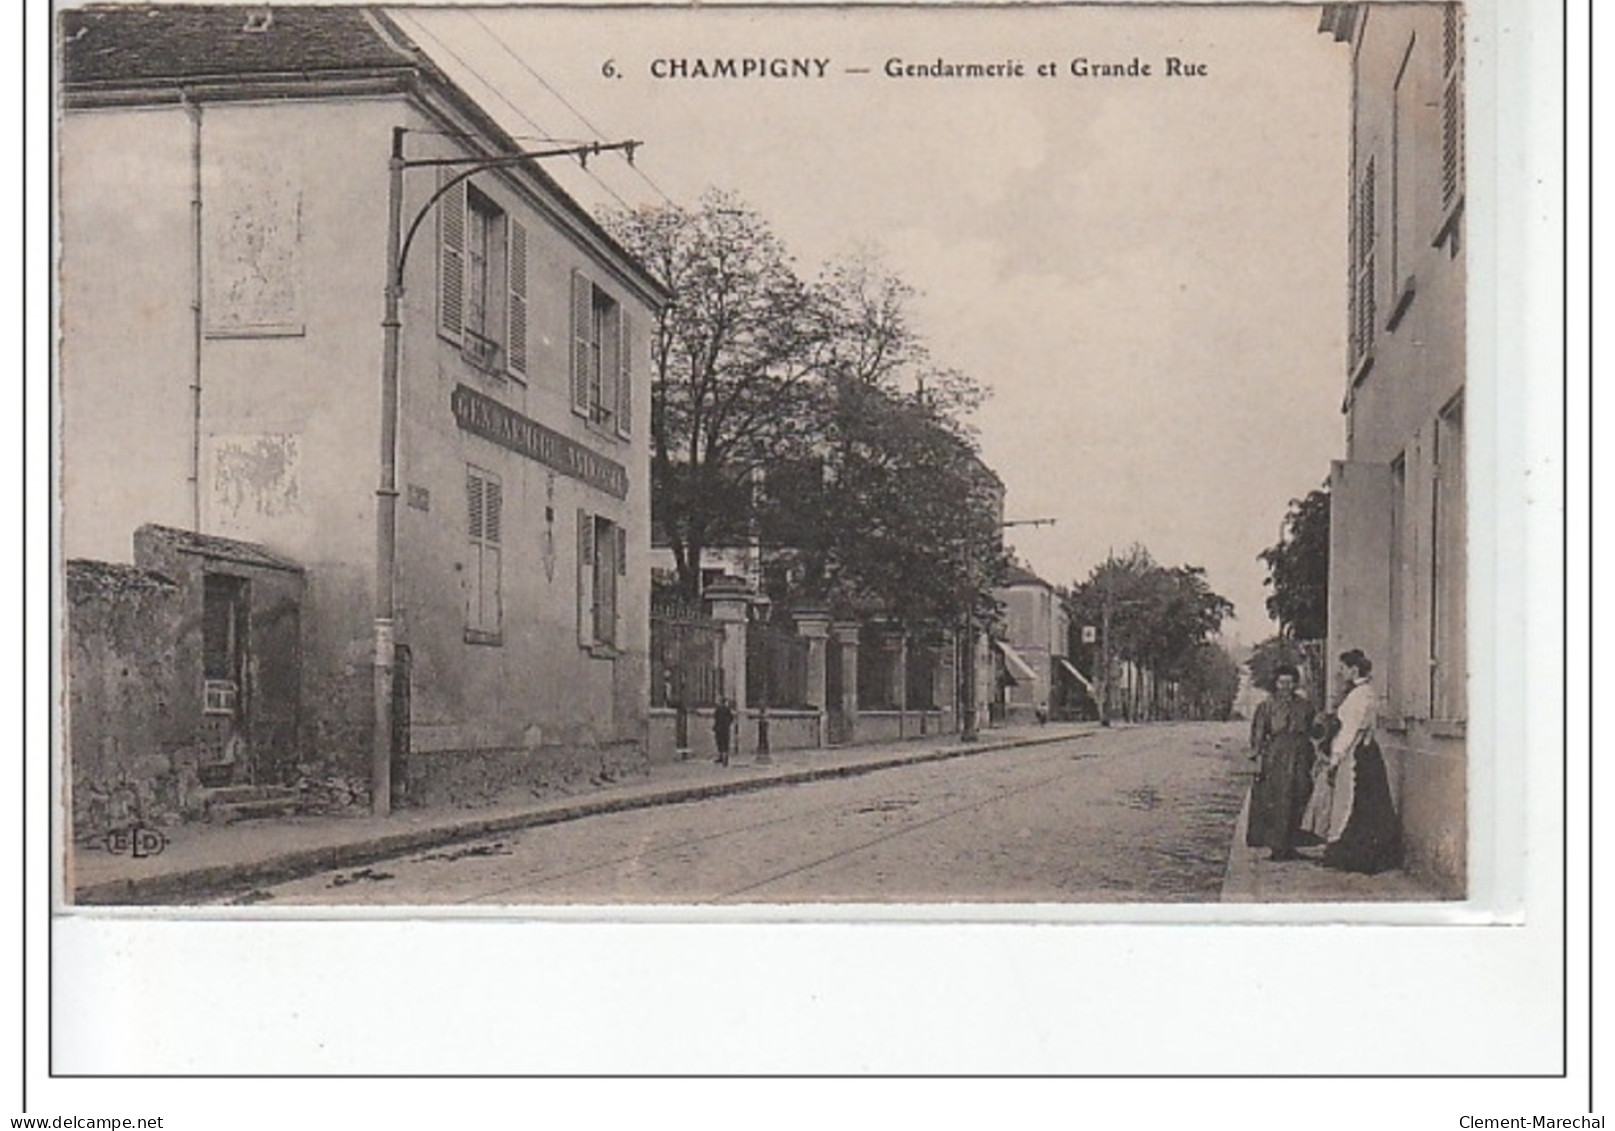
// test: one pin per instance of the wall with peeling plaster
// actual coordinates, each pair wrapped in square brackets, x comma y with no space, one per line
[294,227]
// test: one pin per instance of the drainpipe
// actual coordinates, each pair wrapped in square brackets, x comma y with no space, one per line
[381,751]
[194,111]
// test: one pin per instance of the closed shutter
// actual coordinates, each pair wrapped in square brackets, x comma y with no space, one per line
[1452,110]
[475,525]
[451,259]
[516,346]
[582,341]
[625,383]
[492,595]
[610,366]
[585,578]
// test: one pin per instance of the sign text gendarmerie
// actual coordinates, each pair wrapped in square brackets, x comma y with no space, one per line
[483,416]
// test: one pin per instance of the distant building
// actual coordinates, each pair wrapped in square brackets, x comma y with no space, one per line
[1039,677]
[223,205]
[1397,542]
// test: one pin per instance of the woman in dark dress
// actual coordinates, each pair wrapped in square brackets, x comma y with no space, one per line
[1364,832]
[1283,753]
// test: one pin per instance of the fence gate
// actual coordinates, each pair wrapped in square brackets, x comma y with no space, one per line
[838,726]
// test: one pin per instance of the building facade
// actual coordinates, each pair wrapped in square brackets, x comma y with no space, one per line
[224,209]
[1035,643]
[1397,585]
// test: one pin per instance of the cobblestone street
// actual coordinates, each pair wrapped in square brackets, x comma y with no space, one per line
[1131,815]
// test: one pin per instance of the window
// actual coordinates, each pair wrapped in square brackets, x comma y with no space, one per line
[1363,232]
[1404,170]
[602,561]
[602,391]
[484,518]
[1396,697]
[1452,126]
[482,280]
[1448,562]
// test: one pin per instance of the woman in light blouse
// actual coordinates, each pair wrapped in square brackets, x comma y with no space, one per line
[1364,832]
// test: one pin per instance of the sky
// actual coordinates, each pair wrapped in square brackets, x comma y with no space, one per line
[1148,272]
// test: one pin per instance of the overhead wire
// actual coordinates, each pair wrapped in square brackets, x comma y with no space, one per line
[542,81]
[543,134]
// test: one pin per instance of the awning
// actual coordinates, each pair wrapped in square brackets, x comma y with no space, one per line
[1020,671]
[1078,676]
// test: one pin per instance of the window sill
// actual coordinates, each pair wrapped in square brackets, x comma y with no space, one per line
[1396,724]
[477,636]
[1448,728]
[1400,308]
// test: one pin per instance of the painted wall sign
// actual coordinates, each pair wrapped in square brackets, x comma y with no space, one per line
[486,417]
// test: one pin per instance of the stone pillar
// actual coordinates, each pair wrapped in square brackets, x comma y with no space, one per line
[943,678]
[813,625]
[727,604]
[845,636]
[894,654]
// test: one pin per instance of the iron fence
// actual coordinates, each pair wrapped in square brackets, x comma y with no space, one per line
[776,667]
[688,652]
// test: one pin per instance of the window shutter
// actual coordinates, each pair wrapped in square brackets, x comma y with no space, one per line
[585,579]
[610,366]
[474,510]
[516,347]
[625,383]
[582,315]
[622,550]
[451,258]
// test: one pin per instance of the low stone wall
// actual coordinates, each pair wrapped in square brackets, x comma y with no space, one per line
[477,778]
[895,726]
[131,755]
[787,730]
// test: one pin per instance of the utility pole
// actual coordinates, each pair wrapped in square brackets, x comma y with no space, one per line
[381,784]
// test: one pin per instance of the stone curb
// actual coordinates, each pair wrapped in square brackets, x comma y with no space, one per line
[191,886]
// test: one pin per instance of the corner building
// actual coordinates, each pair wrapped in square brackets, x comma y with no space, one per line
[1397,584]
[223,208]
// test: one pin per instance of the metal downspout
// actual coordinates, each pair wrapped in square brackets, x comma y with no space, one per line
[194,111]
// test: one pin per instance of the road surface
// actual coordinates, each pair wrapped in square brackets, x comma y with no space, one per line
[1140,814]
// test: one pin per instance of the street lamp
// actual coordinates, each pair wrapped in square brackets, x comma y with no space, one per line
[398,245]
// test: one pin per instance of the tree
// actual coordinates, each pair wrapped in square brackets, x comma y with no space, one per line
[1211,683]
[1266,657]
[733,355]
[893,511]
[1159,618]
[1298,569]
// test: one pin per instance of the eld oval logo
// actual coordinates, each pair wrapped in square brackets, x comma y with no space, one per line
[136,841]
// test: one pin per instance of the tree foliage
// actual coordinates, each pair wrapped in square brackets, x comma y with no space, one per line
[810,417]
[1267,656]
[1161,618]
[733,355]
[1298,569]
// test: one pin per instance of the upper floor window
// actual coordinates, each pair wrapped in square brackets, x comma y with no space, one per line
[1404,194]
[602,387]
[1452,125]
[1364,232]
[482,280]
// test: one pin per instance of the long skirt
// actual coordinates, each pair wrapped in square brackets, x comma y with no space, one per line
[1279,797]
[1365,834]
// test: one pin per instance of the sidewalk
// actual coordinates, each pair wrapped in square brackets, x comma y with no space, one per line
[200,861]
[1253,878]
